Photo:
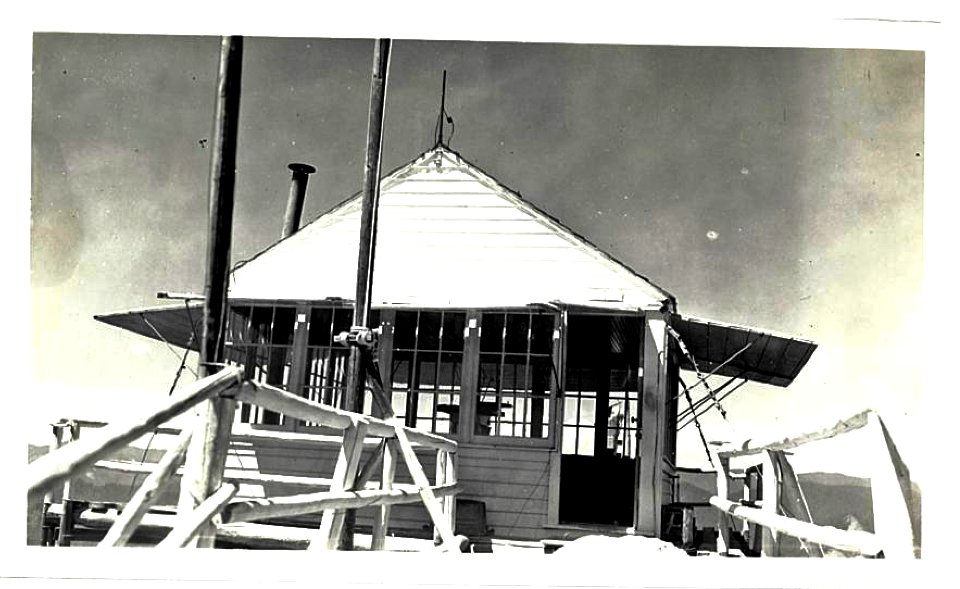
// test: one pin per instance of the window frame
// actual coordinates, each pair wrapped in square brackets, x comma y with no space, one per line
[469,376]
[551,439]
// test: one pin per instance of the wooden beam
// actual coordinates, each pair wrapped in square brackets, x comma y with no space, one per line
[64,463]
[208,447]
[235,476]
[66,518]
[381,522]
[279,400]
[434,508]
[371,465]
[850,541]
[890,491]
[123,528]
[294,505]
[724,521]
[770,483]
[194,522]
[846,425]
[446,477]
[344,478]
[653,408]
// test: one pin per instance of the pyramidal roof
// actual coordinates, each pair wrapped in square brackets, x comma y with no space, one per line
[448,235]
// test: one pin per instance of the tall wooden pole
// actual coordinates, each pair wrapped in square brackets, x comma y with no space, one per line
[353,394]
[207,454]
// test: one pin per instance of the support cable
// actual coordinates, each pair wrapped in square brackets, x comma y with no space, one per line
[164,340]
[703,439]
[683,348]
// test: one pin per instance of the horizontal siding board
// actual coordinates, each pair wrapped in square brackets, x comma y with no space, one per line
[513,452]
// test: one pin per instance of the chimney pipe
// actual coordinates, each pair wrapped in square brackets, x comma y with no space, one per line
[298,190]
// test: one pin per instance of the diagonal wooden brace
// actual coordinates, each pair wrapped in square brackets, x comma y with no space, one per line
[344,479]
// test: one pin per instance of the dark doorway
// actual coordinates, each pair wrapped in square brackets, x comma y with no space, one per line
[600,420]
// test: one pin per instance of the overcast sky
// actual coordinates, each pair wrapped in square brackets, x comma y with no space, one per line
[778,188]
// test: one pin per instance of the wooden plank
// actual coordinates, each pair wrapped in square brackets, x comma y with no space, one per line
[62,464]
[66,518]
[518,454]
[724,523]
[890,491]
[434,508]
[846,425]
[770,481]
[501,473]
[209,443]
[123,529]
[236,476]
[649,494]
[206,458]
[850,541]
[193,523]
[490,491]
[344,476]
[445,475]
[308,503]
[283,402]
[381,521]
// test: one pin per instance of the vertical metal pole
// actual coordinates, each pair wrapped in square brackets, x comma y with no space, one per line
[298,192]
[207,454]
[353,392]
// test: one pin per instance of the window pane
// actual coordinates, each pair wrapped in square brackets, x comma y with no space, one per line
[450,364]
[514,373]
[541,334]
[541,372]
[491,332]
[283,323]
[428,331]
[401,369]
[320,325]
[489,372]
[342,320]
[260,324]
[453,324]
[237,324]
[569,440]
[405,330]
[518,326]
[428,372]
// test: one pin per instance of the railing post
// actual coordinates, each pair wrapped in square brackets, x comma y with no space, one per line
[724,520]
[191,524]
[430,501]
[446,474]
[381,522]
[48,531]
[890,490]
[140,503]
[770,483]
[344,477]
[66,518]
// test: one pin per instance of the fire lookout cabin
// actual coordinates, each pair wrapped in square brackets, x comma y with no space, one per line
[553,365]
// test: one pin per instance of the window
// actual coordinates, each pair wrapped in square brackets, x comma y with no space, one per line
[260,338]
[426,369]
[326,371]
[516,375]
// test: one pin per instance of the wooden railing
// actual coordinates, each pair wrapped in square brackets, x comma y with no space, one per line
[348,487]
[890,490]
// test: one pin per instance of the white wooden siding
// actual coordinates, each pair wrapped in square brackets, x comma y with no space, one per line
[448,235]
